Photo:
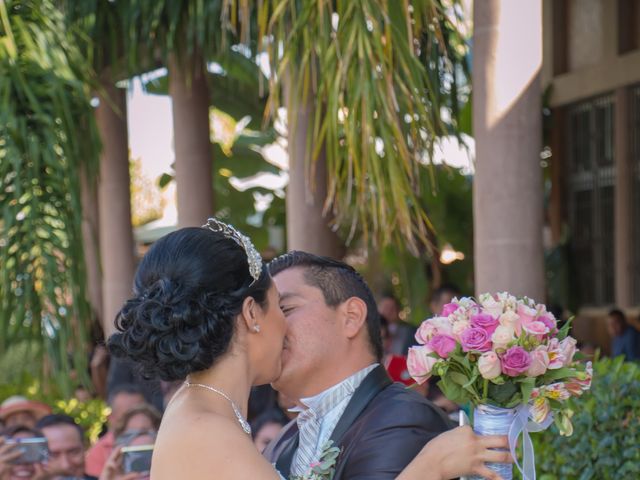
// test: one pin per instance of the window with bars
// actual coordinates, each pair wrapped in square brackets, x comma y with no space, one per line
[591,183]
[635,188]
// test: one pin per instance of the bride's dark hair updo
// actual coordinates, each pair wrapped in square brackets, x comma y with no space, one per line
[188,290]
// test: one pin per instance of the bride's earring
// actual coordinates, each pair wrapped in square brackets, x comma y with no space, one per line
[256,328]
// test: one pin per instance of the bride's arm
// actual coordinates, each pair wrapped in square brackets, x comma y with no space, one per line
[456,453]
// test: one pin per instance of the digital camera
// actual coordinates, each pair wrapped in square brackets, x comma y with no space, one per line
[34,450]
[137,458]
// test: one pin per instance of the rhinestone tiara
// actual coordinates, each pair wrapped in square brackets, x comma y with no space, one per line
[253,257]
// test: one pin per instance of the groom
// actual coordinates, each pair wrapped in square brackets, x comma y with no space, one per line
[331,365]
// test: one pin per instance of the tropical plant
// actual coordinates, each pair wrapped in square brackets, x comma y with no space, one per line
[90,415]
[379,106]
[606,424]
[47,133]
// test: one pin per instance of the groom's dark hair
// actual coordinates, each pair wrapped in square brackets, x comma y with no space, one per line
[338,282]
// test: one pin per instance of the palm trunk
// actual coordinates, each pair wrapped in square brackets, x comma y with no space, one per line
[507,190]
[90,240]
[307,228]
[116,233]
[194,161]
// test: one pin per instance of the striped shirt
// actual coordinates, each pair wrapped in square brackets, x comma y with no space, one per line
[328,406]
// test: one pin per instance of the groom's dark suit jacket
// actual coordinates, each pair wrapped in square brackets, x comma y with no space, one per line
[382,429]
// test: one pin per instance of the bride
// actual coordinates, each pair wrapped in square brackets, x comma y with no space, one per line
[205,310]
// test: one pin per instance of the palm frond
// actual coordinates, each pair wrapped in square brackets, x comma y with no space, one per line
[381,107]
[46,131]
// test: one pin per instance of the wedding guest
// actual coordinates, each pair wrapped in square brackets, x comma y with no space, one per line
[331,366]
[401,334]
[143,417]
[65,439]
[625,339]
[121,399]
[114,467]
[266,426]
[261,399]
[441,296]
[18,410]
[125,372]
[9,453]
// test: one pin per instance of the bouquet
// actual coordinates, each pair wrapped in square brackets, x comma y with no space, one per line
[507,357]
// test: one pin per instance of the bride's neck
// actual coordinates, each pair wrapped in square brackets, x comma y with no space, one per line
[231,375]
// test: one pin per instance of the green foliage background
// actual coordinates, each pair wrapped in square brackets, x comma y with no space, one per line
[604,444]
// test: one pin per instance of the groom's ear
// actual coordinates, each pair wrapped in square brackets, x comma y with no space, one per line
[354,316]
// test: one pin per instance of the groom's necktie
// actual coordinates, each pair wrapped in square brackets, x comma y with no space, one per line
[309,430]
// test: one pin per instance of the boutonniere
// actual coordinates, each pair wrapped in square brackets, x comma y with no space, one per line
[325,467]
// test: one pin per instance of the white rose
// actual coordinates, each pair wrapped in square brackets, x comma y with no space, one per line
[510,319]
[491,306]
[459,327]
[442,324]
[502,336]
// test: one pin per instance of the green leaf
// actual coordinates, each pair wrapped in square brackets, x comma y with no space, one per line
[502,394]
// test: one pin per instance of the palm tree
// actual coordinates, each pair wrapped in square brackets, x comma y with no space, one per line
[47,133]
[376,103]
[368,72]
[110,269]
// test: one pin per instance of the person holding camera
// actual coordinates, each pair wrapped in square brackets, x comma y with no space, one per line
[20,459]
[131,458]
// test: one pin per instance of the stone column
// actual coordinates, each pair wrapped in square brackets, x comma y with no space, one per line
[623,247]
[194,161]
[508,195]
[307,227]
[114,199]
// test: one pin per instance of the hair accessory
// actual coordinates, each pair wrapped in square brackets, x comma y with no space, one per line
[253,257]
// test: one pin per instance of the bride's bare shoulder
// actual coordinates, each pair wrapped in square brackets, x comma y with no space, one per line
[202,445]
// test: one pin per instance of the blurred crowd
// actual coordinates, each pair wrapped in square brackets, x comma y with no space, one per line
[38,444]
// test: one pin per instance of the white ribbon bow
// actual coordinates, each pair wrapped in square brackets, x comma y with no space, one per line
[522,426]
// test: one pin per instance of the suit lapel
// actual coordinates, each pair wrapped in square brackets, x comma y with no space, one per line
[374,383]
[287,451]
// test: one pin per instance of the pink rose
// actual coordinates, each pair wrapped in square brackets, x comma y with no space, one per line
[515,361]
[526,314]
[431,327]
[448,309]
[539,362]
[536,329]
[425,332]
[489,365]
[420,364]
[485,321]
[476,339]
[443,345]
[568,349]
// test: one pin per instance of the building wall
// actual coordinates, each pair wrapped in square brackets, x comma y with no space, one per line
[591,68]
